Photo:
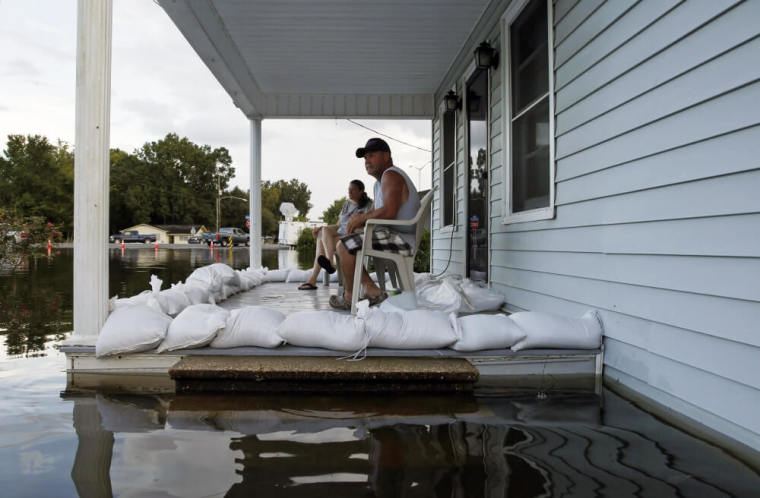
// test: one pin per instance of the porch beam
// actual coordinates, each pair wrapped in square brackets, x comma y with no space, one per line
[255,195]
[91,169]
[375,106]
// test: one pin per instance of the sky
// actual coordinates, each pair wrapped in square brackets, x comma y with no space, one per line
[159,86]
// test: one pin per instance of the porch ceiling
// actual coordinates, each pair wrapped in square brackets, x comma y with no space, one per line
[325,58]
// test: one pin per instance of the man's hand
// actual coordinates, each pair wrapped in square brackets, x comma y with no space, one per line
[315,231]
[356,221]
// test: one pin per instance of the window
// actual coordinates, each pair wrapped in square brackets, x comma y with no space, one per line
[530,102]
[448,194]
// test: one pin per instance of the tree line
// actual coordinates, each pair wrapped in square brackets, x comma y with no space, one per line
[165,182]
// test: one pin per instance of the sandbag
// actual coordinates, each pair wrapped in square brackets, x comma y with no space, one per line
[477,297]
[399,303]
[416,329]
[145,298]
[173,300]
[276,275]
[196,293]
[547,330]
[226,273]
[480,332]
[207,278]
[195,327]
[250,326]
[130,329]
[323,329]
[439,294]
[300,276]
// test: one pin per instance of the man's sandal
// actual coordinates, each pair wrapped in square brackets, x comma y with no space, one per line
[339,302]
[374,301]
[307,286]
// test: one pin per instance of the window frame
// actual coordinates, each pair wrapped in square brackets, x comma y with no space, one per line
[547,212]
[442,169]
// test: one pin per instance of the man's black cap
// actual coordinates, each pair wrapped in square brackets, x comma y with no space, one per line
[373,145]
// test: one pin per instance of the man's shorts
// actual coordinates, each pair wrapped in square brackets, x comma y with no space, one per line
[382,240]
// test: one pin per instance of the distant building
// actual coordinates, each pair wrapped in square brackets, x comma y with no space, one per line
[168,234]
[290,230]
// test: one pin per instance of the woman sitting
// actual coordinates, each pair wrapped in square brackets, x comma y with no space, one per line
[327,236]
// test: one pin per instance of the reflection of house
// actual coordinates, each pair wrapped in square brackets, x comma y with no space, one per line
[290,230]
[168,234]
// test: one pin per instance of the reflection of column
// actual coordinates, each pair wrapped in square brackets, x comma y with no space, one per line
[92,464]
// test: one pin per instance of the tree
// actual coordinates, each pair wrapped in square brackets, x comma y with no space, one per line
[291,191]
[274,193]
[172,180]
[331,214]
[36,179]
[233,209]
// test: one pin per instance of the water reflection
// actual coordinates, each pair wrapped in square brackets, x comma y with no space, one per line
[36,299]
[390,446]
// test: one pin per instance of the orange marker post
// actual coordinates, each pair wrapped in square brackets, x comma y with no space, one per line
[122,244]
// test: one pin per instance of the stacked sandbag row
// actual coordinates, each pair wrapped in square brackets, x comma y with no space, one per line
[209,325]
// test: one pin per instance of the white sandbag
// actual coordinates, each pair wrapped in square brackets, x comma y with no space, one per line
[476,297]
[399,303]
[227,274]
[145,298]
[250,326]
[229,290]
[276,275]
[439,294]
[196,293]
[323,329]
[207,278]
[479,332]
[416,329]
[173,300]
[130,329]
[300,276]
[195,327]
[547,330]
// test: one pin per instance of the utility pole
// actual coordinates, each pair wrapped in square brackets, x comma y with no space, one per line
[218,200]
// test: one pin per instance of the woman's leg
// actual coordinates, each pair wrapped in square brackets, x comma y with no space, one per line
[319,252]
[329,240]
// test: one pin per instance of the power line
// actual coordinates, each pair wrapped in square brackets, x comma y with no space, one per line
[387,136]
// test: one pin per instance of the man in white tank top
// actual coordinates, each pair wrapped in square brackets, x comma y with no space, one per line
[395,199]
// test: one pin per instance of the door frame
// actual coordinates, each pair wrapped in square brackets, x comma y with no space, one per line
[466,167]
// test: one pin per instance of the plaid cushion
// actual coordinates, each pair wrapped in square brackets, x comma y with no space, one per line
[382,240]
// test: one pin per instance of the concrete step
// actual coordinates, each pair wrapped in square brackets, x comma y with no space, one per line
[321,374]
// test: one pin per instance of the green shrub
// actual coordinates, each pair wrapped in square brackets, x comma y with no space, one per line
[306,243]
[422,258]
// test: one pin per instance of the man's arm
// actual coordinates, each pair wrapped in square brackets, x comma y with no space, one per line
[392,186]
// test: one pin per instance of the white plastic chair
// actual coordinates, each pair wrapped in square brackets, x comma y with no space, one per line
[402,267]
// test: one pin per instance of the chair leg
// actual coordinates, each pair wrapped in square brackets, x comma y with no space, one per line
[394,275]
[380,272]
[357,280]
[406,274]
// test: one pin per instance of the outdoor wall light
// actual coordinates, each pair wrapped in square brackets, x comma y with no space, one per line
[486,56]
[453,101]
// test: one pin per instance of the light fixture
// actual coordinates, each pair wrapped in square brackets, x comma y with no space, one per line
[486,56]
[452,100]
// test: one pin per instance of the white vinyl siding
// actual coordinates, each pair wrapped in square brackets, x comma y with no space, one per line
[657,220]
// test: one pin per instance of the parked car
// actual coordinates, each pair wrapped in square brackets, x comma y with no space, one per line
[227,236]
[132,236]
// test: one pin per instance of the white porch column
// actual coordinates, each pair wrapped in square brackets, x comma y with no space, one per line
[255,194]
[91,169]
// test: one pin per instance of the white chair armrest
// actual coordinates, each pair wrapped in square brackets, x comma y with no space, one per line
[378,221]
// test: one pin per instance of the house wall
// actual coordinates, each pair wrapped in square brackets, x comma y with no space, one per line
[657,220]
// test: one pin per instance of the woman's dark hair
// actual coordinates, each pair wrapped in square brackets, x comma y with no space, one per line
[363,198]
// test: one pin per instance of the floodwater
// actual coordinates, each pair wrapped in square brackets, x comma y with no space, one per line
[57,444]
